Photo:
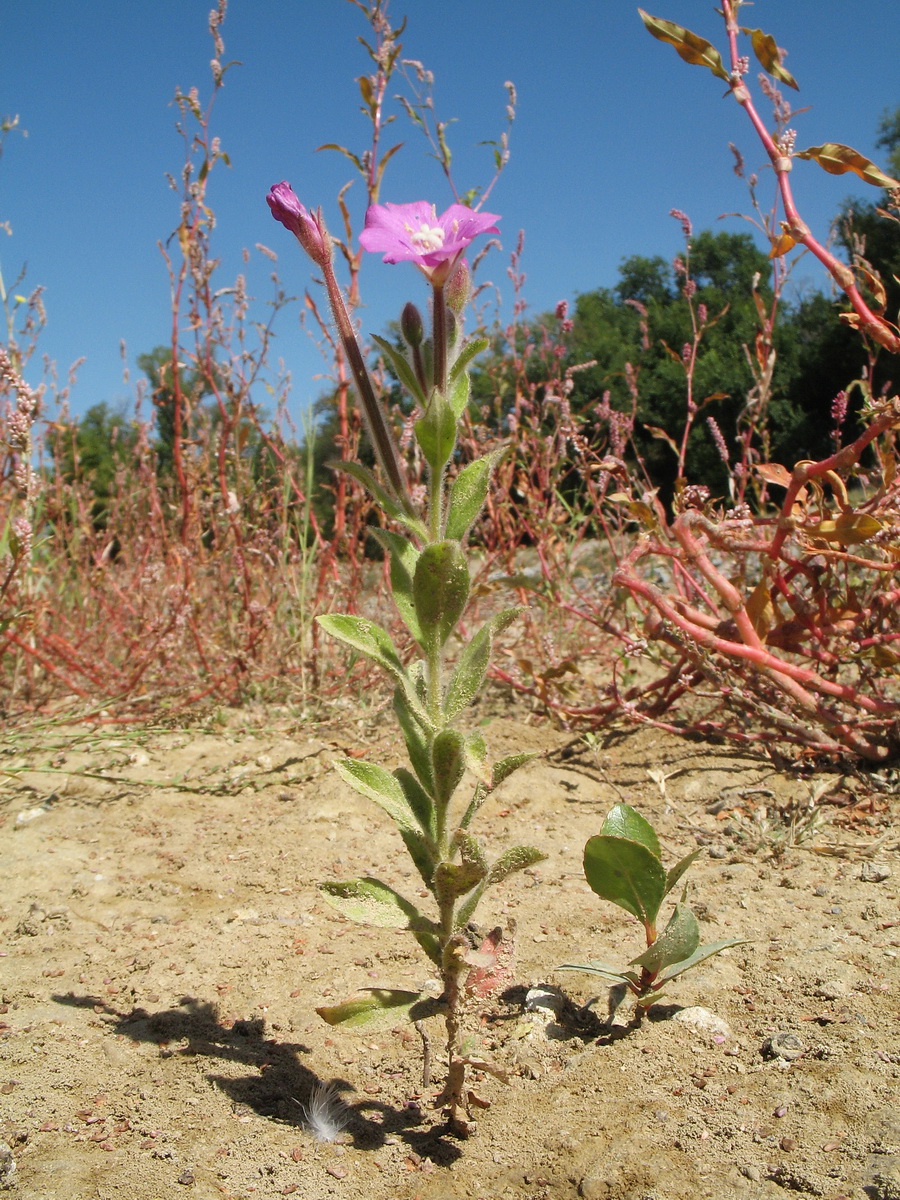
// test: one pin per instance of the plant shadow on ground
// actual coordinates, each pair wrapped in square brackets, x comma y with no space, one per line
[281,1086]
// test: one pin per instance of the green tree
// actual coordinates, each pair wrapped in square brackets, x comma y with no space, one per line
[92,450]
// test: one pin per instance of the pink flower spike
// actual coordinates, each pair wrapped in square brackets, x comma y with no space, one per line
[287,209]
[415,233]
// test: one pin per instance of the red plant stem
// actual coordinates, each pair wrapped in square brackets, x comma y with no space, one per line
[841,461]
[878,329]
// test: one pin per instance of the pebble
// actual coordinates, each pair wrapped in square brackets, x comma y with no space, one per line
[701,1020]
[874,872]
[783,1045]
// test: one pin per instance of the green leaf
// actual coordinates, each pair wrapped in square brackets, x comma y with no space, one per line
[676,872]
[703,952]
[678,941]
[766,50]
[473,662]
[452,880]
[385,500]
[476,756]
[470,850]
[693,49]
[440,590]
[468,493]
[626,822]
[404,557]
[448,757]
[516,858]
[416,741]
[460,390]
[375,783]
[405,373]
[371,902]
[838,160]
[366,637]
[373,641]
[385,1006]
[418,799]
[627,874]
[435,432]
[466,354]
[505,767]
[605,972]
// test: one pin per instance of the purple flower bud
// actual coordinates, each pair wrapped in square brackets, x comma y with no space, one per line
[307,229]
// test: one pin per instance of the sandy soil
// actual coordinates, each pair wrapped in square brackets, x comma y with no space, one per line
[164,949]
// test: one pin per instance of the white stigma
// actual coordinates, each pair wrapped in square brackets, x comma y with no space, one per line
[427,238]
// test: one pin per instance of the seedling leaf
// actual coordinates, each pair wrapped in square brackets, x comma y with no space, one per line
[624,821]
[627,874]
[678,942]
[384,1006]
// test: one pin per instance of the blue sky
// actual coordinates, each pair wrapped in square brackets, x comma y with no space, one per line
[613,130]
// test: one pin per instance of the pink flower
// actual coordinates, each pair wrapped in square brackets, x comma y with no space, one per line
[415,233]
[306,228]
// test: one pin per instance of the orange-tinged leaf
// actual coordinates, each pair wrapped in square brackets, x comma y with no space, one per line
[885,657]
[849,529]
[766,50]
[838,159]
[760,609]
[693,49]
[782,245]
[656,432]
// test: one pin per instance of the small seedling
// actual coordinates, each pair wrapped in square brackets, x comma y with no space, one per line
[623,864]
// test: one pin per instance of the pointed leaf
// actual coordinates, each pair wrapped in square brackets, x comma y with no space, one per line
[403,370]
[627,874]
[605,972]
[384,1006]
[701,953]
[440,590]
[473,663]
[468,494]
[371,902]
[678,942]
[676,872]
[838,159]
[516,858]
[466,354]
[418,799]
[626,822]
[368,638]
[460,389]
[448,757]
[373,641]
[849,529]
[404,557]
[693,49]
[375,783]
[505,767]
[435,432]
[766,50]
[385,500]
[416,741]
